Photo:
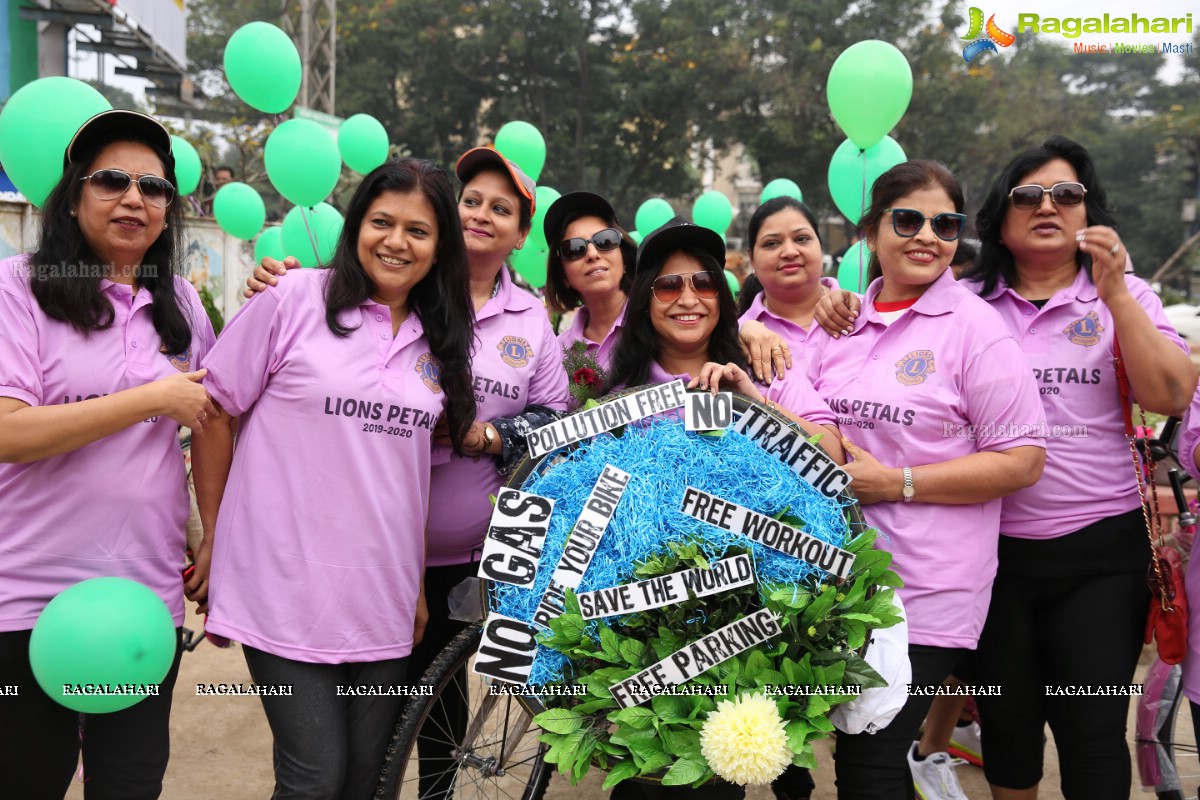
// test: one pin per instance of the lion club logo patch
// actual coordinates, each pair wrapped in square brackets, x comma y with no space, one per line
[180,361]
[1085,330]
[913,368]
[430,370]
[515,351]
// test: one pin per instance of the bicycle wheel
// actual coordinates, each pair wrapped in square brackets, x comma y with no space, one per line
[1165,739]
[497,755]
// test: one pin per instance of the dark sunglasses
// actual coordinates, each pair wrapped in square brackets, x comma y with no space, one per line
[576,248]
[109,184]
[667,288]
[1029,196]
[907,222]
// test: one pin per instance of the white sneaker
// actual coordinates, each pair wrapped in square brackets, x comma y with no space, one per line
[965,743]
[934,776]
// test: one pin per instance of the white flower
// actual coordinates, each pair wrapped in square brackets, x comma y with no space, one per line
[744,740]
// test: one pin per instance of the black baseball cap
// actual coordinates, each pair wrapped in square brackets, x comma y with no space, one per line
[675,234]
[580,203]
[117,125]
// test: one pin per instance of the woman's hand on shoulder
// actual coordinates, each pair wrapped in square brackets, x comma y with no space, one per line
[713,375]
[836,312]
[765,350]
[265,274]
[1108,260]
[184,399]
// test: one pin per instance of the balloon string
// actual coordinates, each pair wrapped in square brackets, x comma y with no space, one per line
[862,209]
[312,236]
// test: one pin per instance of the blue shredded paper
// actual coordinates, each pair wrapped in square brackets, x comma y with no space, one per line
[662,460]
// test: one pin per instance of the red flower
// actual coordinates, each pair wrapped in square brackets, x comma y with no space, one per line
[585,376]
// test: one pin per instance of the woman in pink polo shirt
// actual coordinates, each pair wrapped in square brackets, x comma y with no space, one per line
[1069,604]
[589,271]
[338,378]
[100,348]
[681,323]
[785,252]
[942,419]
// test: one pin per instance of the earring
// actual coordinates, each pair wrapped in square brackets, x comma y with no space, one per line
[166,225]
[73,212]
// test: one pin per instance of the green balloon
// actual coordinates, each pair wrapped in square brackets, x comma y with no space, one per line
[103,631]
[522,144]
[652,214]
[544,197]
[712,210]
[262,66]
[269,245]
[530,263]
[363,143]
[302,162]
[302,225]
[187,165]
[781,187]
[734,285]
[852,173]
[239,210]
[869,87]
[36,125]
[852,270]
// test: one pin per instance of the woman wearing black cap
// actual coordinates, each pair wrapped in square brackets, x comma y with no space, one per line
[99,360]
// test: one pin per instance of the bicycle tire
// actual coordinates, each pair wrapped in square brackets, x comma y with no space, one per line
[498,757]
[1165,739]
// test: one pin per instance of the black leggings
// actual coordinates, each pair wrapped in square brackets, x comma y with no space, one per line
[875,766]
[125,752]
[1065,612]
[328,745]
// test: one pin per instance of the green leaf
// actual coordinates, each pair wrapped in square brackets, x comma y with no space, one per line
[636,717]
[656,762]
[559,720]
[684,771]
[632,650]
[598,704]
[858,671]
[684,743]
[797,734]
[609,646]
[626,735]
[670,708]
[583,756]
[619,772]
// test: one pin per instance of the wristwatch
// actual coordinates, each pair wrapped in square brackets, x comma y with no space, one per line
[908,492]
[489,436]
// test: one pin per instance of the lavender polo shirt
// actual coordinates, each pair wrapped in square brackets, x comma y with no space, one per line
[601,351]
[319,545]
[1069,345]
[795,337]
[1189,438]
[115,507]
[517,362]
[944,380]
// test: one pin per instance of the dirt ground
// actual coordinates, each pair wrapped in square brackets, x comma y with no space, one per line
[221,746]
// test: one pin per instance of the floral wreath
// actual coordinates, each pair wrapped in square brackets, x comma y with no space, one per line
[747,717]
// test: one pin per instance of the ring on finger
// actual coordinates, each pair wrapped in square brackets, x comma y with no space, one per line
[1113,250]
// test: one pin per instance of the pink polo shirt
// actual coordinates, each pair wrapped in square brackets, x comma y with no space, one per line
[115,507]
[944,380]
[1069,345]
[517,362]
[1189,438]
[601,351]
[792,334]
[319,545]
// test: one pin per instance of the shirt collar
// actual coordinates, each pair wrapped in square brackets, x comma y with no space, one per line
[1081,289]
[940,298]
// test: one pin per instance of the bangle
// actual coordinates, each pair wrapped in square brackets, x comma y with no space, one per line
[489,436]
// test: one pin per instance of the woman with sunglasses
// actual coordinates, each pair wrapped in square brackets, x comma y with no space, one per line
[1069,605]
[591,268]
[99,366]
[320,578]
[945,420]
[681,323]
